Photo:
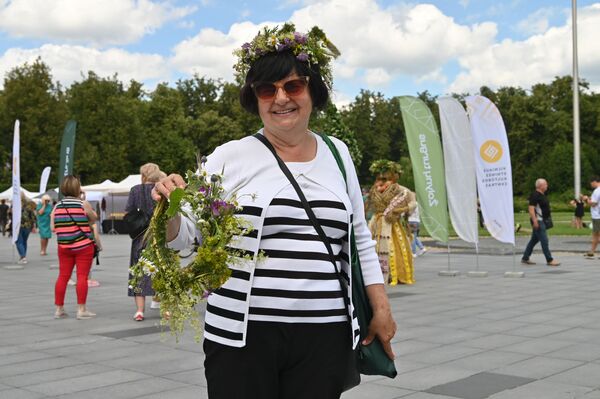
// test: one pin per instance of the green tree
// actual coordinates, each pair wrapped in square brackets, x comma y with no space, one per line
[31,96]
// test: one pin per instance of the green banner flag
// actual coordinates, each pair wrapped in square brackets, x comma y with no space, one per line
[428,166]
[67,152]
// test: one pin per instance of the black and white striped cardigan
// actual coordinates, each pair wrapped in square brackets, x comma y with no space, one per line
[251,172]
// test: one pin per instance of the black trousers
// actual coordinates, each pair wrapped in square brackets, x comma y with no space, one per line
[281,361]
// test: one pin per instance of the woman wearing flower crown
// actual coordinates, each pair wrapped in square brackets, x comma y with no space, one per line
[390,202]
[280,324]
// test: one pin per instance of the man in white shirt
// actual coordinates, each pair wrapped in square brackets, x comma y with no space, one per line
[594,203]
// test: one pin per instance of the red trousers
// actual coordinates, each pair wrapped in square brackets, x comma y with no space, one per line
[67,259]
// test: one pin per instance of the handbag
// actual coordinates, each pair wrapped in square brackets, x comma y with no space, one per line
[137,221]
[548,222]
[370,359]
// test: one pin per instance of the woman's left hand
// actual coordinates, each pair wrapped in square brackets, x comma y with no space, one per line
[382,324]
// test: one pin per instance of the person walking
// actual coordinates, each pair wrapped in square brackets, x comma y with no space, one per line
[27,226]
[3,216]
[140,198]
[594,203]
[414,223]
[43,211]
[540,219]
[282,324]
[70,220]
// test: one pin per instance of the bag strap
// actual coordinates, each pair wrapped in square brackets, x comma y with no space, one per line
[76,225]
[309,212]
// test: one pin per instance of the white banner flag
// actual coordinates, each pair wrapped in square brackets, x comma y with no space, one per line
[16,184]
[44,179]
[494,173]
[460,168]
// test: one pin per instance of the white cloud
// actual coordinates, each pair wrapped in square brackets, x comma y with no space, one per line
[536,22]
[209,53]
[537,59]
[405,39]
[100,22]
[377,77]
[68,63]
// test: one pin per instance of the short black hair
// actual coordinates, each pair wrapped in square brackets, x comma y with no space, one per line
[595,178]
[276,66]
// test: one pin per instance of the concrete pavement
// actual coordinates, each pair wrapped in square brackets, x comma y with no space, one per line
[458,337]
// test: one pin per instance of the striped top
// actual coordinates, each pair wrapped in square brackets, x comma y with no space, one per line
[71,223]
[297,282]
[252,173]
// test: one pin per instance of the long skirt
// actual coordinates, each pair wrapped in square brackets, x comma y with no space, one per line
[393,250]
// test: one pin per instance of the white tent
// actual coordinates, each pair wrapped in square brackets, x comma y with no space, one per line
[124,186]
[8,193]
[104,186]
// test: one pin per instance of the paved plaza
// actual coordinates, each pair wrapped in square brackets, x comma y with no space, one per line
[458,337]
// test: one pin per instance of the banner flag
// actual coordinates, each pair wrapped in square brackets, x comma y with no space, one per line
[492,163]
[44,179]
[459,164]
[16,184]
[428,165]
[67,152]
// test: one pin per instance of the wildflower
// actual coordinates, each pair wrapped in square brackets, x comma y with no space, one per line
[302,57]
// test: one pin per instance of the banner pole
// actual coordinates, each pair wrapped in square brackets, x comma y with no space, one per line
[476,256]
[514,272]
[448,255]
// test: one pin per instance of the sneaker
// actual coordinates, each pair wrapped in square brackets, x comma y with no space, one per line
[554,262]
[60,314]
[421,251]
[527,262]
[154,305]
[589,255]
[86,314]
[71,282]
[22,261]
[93,283]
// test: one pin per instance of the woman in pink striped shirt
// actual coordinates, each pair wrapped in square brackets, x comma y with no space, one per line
[70,220]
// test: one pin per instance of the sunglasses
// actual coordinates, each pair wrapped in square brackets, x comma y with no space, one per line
[268,90]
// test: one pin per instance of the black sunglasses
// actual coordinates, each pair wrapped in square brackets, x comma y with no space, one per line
[268,90]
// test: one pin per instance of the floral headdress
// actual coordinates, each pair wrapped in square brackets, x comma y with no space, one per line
[382,167]
[313,47]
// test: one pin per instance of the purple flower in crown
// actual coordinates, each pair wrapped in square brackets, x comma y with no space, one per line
[246,46]
[206,294]
[302,57]
[204,190]
[282,46]
[299,38]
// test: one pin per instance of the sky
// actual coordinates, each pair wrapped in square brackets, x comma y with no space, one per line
[388,46]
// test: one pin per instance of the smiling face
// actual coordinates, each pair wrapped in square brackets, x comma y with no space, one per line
[284,113]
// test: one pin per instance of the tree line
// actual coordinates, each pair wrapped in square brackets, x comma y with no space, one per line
[121,125]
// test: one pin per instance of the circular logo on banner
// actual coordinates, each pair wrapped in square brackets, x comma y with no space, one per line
[491,151]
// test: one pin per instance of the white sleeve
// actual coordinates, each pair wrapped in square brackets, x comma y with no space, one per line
[365,244]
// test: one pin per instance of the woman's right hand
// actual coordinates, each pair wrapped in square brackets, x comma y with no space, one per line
[165,186]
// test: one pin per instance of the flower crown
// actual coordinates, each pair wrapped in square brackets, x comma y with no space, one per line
[383,166]
[313,47]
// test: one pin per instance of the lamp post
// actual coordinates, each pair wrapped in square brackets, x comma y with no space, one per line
[576,143]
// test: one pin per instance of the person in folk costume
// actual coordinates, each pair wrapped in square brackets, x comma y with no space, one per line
[390,202]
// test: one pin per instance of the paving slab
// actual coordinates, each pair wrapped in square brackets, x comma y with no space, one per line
[544,328]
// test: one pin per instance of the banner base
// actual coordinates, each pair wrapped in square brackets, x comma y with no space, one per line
[448,273]
[477,274]
[14,267]
[514,274]
[53,267]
